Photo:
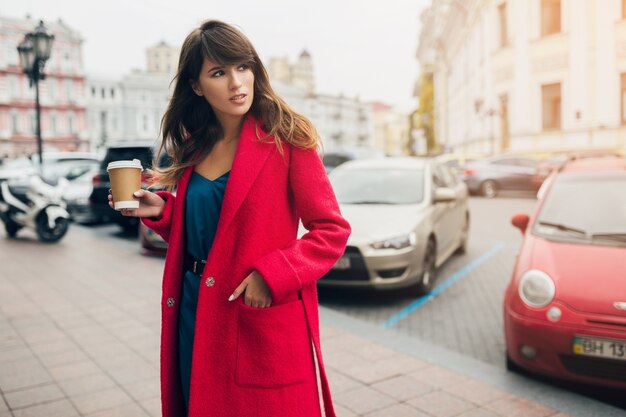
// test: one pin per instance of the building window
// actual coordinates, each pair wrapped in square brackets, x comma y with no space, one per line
[70,124]
[69,87]
[502,23]
[623,98]
[112,93]
[93,91]
[145,123]
[53,125]
[551,106]
[103,121]
[102,92]
[33,122]
[550,17]
[15,128]
[12,80]
[11,54]
[51,89]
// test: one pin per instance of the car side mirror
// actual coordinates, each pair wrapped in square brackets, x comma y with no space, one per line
[520,221]
[444,195]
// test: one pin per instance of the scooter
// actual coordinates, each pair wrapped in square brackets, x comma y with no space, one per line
[41,209]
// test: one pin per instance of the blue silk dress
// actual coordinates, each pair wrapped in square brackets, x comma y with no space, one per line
[203,204]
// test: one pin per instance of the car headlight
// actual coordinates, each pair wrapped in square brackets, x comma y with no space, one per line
[398,242]
[536,288]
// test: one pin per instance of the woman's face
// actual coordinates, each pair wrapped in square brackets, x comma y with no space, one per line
[229,89]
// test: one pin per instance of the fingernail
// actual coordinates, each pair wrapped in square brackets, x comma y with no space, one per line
[137,193]
[232,297]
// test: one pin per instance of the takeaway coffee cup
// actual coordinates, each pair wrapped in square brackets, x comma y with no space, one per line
[125,180]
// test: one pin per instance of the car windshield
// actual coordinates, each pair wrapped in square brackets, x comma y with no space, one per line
[378,186]
[586,206]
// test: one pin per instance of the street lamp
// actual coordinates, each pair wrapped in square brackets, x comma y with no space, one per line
[490,113]
[34,51]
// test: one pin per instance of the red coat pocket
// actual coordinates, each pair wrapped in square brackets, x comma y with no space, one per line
[273,346]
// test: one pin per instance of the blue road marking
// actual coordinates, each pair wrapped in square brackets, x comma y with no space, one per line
[393,320]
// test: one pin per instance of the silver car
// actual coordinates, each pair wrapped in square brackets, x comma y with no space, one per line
[408,216]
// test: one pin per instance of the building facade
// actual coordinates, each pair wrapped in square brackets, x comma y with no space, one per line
[527,75]
[104,111]
[162,59]
[299,74]
[62,92]
[341,121]
[391,129]
[127,109]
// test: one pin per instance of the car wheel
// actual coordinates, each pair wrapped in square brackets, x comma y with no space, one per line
[427,279]
[462,249]
[489,189]
[11,228]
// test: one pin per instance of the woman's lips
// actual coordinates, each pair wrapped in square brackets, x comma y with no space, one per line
[239,98]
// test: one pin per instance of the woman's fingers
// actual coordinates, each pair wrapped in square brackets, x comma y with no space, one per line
[253,297]
[240,289]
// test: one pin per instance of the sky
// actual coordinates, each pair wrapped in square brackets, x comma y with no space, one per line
[364,48]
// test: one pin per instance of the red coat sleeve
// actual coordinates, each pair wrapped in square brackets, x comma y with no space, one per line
[162,225]
[307,259]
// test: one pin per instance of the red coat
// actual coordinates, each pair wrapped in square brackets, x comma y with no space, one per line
[250,362]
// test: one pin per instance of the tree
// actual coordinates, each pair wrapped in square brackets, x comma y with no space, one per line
[425,111]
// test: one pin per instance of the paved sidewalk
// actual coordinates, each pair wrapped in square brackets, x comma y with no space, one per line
[79,340]
[376,372]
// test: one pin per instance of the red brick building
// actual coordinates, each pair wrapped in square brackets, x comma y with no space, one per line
[61,93]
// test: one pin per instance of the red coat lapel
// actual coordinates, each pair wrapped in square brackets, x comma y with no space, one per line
[250,157]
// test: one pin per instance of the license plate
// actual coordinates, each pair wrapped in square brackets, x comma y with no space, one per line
[342,263]
[603,348]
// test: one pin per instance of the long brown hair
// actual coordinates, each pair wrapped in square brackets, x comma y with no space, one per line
[189,127]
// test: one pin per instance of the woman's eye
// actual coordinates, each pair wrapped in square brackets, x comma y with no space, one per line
[244,67]
[218,73]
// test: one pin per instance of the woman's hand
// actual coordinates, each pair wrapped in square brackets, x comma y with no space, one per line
[257,293]
[150,205]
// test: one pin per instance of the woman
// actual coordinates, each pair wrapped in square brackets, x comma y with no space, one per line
[240,326]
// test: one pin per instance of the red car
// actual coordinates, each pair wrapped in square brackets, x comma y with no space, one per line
[151,243]
[565,306]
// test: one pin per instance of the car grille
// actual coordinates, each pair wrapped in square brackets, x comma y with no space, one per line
[595,367]
[356,272]
[607,323]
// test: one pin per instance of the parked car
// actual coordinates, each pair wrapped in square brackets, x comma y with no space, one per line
[151,243]
[99,197]
[56,165]
[77,193]
[491,175]
[408,215]
[565,306]
[459,160]
[18,172]
[548,165]
[335,158]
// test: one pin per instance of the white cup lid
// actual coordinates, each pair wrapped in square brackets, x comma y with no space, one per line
[135,163]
